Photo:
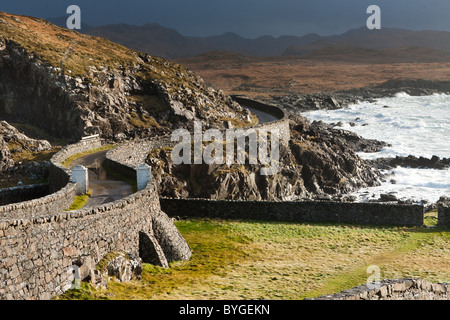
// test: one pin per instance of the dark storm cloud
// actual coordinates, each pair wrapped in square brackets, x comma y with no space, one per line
[250,18]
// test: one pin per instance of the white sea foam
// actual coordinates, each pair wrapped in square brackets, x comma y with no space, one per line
[418,126]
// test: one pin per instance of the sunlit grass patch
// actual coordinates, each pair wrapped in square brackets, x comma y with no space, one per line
[80,201]
[274,260]
[431,218]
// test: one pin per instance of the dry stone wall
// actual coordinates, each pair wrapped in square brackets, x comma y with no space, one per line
[40,247]
[37,253]
[126,157]
[444,212]
[298,211]
[49,204]
[23,193]
[282,124]
[399,289]
[62,191]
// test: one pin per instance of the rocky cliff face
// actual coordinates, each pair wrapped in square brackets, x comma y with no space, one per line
[13,145]
[317,163]
[73,85]
[6,161]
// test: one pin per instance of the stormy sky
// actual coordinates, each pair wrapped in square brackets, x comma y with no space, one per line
[248,18]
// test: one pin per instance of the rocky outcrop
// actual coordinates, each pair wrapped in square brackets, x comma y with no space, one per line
[13,146]
[125,268]
[31,94]
[297,102]
[412,162]
[344,137]
[20,141]
[317,162]
[329,157]
[6,161]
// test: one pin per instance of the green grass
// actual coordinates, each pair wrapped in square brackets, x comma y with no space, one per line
[430,218]
[80,201]
[270,260]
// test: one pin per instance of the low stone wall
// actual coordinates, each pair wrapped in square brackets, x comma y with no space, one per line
[298,211]
[126,157]
[23,193]
[276,111]
[36,254]
[40,243]
[62,191]
[400,289]
[282,125]
[444,212]
[49,204]
[60,176]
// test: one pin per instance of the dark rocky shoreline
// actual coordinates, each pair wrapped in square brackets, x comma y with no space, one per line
[412,162]
[299,103]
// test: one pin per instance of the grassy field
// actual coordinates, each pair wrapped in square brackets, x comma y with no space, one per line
[285,261]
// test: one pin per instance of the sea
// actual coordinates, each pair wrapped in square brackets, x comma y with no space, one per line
[412,125]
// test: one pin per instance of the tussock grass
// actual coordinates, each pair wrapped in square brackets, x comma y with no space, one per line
[271,260]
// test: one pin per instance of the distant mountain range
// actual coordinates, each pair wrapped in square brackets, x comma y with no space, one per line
[170,44]
[377,40]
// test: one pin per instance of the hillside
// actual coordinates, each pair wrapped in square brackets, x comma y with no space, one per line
[70,85]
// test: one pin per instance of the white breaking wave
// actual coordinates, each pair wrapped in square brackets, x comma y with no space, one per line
[418,126]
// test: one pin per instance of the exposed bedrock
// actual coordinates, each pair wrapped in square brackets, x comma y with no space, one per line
[410,161]
[316,161]
[29,94]
[117,103]
[298,102]
[13,145]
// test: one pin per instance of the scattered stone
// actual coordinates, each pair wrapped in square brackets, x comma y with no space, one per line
[398,289]
[388,197]
[125,267]
[412,162]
